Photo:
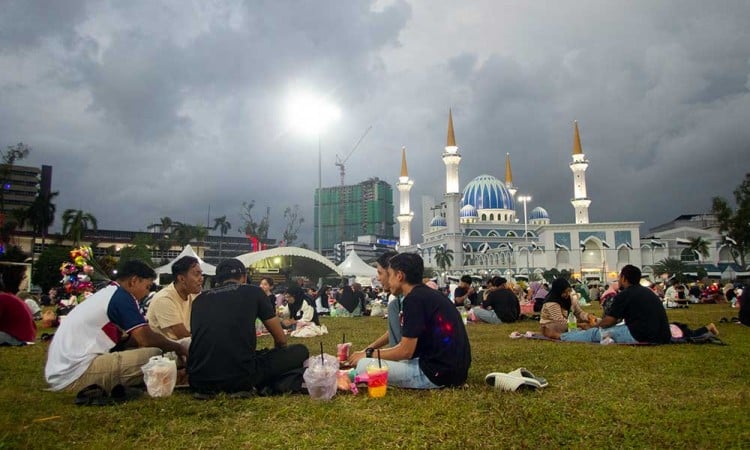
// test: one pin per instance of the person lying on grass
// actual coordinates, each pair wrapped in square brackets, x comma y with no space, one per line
[434,350]
[556,308]
[91,347]
[645,317]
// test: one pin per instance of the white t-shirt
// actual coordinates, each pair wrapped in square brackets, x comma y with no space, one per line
[91,329]
[168,309]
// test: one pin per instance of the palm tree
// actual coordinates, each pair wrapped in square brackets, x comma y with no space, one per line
[165,225]
[75,224]
[443,257]
[182,233]
[41,215]
[223,226]
[673,267]
[199,233]
[699,246]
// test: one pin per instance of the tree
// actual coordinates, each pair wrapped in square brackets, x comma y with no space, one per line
[165,225]
[200,233]
[251,227]
[223,225]
[736,223]
[138,252]
[46,271]
[443,257]
[293,222]
[12,154]
[699,246]
[75,224]
[41,215]
[673,267]
[551,274]
[182,233]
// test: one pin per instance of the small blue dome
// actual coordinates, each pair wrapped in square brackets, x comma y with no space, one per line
[487,192]
[468,211]
[538,213]
[438,221]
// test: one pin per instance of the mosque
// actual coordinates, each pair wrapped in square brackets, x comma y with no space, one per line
[482,225]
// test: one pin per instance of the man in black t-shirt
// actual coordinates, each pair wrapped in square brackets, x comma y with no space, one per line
[434,349]
[500,305]
[222,351]
[644,314]
[464,294]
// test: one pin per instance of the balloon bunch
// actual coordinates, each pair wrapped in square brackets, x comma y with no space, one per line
[76,275]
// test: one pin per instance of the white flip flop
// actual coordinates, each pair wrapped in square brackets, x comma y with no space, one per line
[511,383]
[524,373]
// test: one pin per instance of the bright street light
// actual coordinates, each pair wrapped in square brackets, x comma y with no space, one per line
[311,114]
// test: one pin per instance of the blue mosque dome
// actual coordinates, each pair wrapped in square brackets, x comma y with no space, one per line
[438,221]
[538,213]
[468,211]
[487,192]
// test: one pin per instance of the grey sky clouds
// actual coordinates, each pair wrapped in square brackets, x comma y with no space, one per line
[150,109]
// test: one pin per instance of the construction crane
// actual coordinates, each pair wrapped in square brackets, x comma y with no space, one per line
[340,163]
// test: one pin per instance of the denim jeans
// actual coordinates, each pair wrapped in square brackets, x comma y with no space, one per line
[618,333]
[403,374]
[485,315]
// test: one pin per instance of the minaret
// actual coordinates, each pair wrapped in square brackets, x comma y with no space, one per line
[509,177]
[405,215]
[452,159]
[579,165]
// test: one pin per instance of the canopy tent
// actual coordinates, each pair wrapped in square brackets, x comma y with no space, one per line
[207,268]
[353,266]
[301,261]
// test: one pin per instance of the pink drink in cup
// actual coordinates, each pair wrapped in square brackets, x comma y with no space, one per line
[377,381]
[342,350]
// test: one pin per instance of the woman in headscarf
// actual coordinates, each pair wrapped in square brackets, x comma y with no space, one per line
[536,295]
[321,301]
[608,296]
[301,308]
[556,308]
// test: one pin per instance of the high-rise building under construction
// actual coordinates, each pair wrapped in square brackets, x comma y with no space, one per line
[350,211]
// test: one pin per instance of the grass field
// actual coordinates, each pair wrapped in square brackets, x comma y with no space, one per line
[673,396]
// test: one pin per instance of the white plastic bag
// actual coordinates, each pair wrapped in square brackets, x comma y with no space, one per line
[320,376]
[160,376]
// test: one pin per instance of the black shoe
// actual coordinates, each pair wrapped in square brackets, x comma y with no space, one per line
[122,394]
[93,395]
[203,396]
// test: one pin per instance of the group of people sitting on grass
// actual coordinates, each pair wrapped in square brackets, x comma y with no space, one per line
[106,340]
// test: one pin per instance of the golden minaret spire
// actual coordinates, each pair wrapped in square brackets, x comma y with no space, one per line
[404,170]
[508,172]
[451,135]
[577,150]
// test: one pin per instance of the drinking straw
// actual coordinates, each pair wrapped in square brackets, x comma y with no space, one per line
[380,365]
[322,360]
[343,338]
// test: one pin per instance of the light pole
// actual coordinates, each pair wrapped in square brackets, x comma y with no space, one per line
[525,199]
[311,114]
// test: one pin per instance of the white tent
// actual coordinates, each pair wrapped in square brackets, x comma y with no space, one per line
[353,266]
[207,268]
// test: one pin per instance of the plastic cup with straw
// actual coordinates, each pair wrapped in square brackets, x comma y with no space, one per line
[377,379]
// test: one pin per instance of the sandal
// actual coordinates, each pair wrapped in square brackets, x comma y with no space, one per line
[524,373]
[93,395]
[509,382]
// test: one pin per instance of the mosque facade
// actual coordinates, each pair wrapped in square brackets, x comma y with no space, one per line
[484,226]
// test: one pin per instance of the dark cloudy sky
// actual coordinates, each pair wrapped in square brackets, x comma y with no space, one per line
[153,108]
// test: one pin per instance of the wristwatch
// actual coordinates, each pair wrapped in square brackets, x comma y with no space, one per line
[369,351]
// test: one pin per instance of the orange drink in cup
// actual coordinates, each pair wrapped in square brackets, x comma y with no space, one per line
[377,382]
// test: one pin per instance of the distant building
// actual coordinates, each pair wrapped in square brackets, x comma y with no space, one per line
[351,211]
[22,184]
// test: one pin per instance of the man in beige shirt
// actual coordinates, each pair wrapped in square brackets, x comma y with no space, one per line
[169,311]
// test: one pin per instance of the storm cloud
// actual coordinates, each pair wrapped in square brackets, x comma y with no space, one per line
[151,109]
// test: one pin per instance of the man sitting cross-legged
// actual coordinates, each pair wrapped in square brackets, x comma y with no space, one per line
[222,351]
[434,349]
[86,347]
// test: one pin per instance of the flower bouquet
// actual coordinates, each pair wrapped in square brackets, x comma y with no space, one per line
[78,273]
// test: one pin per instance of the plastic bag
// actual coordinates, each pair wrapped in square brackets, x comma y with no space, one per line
[320,376]
[160,376]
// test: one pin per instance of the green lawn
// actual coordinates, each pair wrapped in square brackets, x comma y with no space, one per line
[676,396]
